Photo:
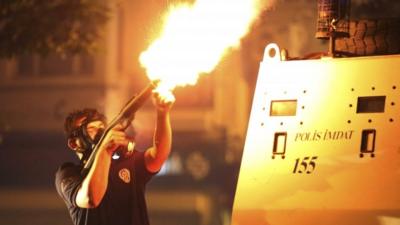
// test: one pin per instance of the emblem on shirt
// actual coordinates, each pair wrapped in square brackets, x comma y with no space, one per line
[125,175]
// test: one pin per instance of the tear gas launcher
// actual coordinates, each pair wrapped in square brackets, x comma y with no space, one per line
[124,118]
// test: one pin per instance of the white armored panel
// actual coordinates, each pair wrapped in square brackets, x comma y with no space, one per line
[323,144]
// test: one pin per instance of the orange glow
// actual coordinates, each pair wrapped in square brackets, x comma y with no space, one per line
[194,39]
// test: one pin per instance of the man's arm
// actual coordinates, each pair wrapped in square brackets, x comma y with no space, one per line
[94,185]
[158,153]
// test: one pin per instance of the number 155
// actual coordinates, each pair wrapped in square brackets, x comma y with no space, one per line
[306,165]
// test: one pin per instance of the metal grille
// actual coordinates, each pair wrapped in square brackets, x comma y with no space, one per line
[333,18]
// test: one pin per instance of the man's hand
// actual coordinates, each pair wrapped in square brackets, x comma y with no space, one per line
[163,102]
[114,139]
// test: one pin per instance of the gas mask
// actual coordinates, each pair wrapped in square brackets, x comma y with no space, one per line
[86,142]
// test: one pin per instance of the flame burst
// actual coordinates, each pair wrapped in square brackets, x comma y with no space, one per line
[194,39]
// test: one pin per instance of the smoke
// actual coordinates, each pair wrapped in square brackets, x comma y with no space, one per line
[196,36]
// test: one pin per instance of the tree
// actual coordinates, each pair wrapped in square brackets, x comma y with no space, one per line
[42,26]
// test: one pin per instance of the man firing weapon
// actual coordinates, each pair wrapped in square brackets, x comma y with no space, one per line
[108,185]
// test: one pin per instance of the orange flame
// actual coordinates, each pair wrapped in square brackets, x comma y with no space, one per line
[194,39]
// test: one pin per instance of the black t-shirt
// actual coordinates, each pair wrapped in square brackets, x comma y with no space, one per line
[123,203]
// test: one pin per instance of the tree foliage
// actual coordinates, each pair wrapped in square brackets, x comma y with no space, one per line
[42,26]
